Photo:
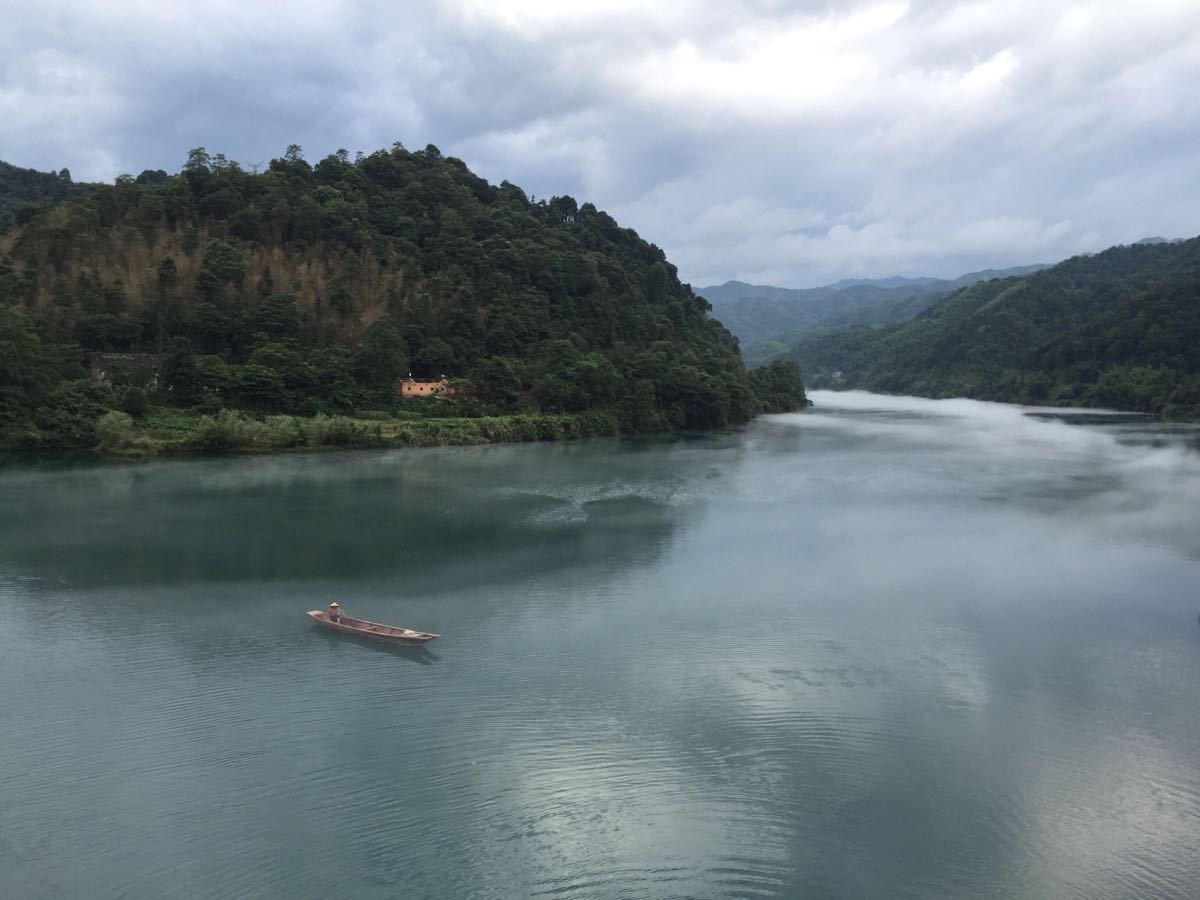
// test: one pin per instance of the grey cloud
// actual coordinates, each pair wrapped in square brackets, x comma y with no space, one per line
[793,143]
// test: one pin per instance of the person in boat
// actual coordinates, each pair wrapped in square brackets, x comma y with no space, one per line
[335,612]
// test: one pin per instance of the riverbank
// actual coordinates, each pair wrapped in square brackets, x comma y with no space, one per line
[179,432]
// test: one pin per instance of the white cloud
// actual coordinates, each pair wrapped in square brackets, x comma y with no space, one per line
[766,71]
[794,142]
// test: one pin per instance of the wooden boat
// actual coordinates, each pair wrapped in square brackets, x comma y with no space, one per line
[389,633]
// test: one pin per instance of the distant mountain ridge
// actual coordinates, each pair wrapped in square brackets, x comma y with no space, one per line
[894,281]
[1157,239]
[1117,329]
[767,320]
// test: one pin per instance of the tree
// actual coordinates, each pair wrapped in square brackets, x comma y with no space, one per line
[213,377]
[197,169]
[381,359]
[435,359]
[225,262]
[332,371]
[277,317]
[26,369]
[644,410]
[298,377]
[259,386]
[570,381]
[178,371]
[778,387]
[133,401]
[496,381]
[114,430]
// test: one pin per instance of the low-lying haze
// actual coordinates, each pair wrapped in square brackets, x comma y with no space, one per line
[1133,476]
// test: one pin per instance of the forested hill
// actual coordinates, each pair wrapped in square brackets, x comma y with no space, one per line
[1117,329]
[25,192]
[309,288]
[768,320]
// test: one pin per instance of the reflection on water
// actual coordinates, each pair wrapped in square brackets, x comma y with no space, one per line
[345,516]
[347,643]
[889,647]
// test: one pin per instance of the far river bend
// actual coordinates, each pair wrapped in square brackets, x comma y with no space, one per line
[887,648]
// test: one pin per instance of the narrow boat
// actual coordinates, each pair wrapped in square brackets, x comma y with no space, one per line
[389,633]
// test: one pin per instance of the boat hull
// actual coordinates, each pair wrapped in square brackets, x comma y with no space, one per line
[388,634]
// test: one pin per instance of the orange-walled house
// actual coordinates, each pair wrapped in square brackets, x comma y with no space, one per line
[425,387]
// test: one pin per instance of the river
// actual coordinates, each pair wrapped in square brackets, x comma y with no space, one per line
[889,647]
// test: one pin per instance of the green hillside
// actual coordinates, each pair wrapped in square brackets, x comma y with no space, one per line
[1117,329]
[768,320]
[24,192]
[310,289]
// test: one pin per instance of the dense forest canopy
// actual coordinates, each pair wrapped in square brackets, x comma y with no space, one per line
[307,288]
[768,320]
[1117,329]
[26,192]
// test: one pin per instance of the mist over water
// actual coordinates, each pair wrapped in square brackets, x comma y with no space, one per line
[887,647]
[1126,474]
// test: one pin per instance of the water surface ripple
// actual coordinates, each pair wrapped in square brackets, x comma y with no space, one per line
[890,647]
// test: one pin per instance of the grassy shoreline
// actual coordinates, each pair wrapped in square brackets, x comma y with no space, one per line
[181,433]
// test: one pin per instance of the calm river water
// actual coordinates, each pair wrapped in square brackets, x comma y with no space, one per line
[888,648]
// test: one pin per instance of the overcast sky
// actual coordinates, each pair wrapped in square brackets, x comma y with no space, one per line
[790,143]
